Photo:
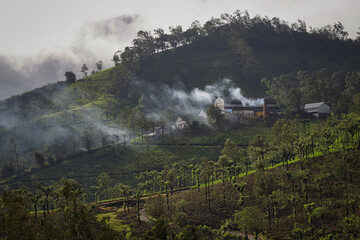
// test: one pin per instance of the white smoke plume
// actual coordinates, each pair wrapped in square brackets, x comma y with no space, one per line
[195,101]
[236,94]
[199,97]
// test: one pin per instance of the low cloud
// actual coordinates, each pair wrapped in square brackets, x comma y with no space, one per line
[93,42]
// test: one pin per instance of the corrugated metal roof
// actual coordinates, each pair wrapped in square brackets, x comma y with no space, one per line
[313,105]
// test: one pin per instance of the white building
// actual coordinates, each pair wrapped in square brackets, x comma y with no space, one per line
[180,124]
[317,109]
[220,103]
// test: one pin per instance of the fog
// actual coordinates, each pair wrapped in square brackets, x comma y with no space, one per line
[93,42]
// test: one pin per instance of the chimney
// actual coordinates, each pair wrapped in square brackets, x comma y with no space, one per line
[264,108]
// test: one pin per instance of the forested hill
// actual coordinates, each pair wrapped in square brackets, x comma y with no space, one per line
[235,46]
[247,50]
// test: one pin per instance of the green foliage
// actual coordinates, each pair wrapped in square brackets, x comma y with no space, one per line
[351,226]
[104,182]
[250,220]
[215,117]
[190,232]
[180,219]
[70,77]
[265,184]
[337,88]
[70,220]
[159,231]
[155,206]
[84,69]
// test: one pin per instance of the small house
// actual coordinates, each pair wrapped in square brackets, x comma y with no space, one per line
[319,109]
[180,124]
[220,103]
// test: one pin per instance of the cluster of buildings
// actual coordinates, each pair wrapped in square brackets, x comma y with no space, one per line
[179,124]
[234,109]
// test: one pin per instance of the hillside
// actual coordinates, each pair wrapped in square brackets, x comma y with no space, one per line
[124,163]
[235,46]
[168,75]
[296,179]
[327,211]
[313,195]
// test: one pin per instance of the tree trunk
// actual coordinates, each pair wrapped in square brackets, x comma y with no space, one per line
[269,215]
[138,209]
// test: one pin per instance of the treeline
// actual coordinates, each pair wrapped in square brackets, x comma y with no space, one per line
[246,40]
[339,89]
[233,29]
[51,212]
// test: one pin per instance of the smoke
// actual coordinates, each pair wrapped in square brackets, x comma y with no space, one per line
[93,42]
[236,94]
[192,102]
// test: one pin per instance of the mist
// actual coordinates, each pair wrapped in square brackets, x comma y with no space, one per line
[93,42]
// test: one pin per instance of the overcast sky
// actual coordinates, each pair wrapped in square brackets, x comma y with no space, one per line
[41,39]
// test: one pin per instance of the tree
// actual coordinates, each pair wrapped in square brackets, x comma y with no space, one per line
[231,150]
[117,138]
[278,200]
[34,200]
[84,69]
[138,192]
[206,173]
[99,65]
[240,187]
[161,39]
[159,231]
[155,206]
[351,226]
[144,45]
[126,192]
[214,116]
[15,218]
[250,220]
[285,89]
[104,182]
[124,136]
[294,200]
[310,215]
[304,177]
[116,58]
[169,176]
[224,164]
[46,191]
[257,152]
[7,171]
[70,77]
[104,137]
[13,153]
[88,140]
[176,37]
[286,137]
[265,184]
[39,160]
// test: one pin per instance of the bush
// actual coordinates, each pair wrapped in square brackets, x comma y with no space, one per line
[155,206]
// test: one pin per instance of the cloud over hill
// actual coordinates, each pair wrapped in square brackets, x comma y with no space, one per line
[93,42]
